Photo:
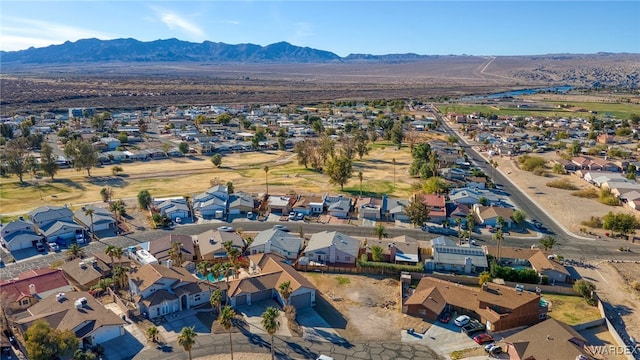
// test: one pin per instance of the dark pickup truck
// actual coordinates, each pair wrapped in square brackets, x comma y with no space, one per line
[473,327]
[440,230]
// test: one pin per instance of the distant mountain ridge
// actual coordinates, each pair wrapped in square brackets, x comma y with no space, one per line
[132,50]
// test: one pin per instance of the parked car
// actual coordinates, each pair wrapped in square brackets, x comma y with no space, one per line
[445,317]
[483,338]
[53,246]
[493,349]
[250,215]
[226,228]
[462,320]
[80,238]
[300,216]
[440,230]
[473,327]
[280,227]
[292,215]
[40,247]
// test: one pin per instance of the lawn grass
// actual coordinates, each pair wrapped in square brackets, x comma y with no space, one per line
[571,310]
[342,280]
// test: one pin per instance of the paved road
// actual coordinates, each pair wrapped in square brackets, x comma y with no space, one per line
[290,348]
[572,245]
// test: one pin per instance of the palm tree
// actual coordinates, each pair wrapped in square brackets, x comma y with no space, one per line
[204,268]
[499,236]
[152,334]
[216,299]
[75,251]
[360,178]
[175,253]
[376,253]
[548,242]
[380,231]
[285,291]
[470,222]
[118,252]
[217,271]
[120,276]
[103,285]
[227,314]
[226,269]
[89,212]
[266,177]
[271,324]
[187,339]
[110,252]
[394,171]
[459,223]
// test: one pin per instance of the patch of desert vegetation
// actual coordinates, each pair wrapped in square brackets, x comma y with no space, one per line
[564,184]
[571,310]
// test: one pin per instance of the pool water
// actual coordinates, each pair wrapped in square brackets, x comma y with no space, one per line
[210,277]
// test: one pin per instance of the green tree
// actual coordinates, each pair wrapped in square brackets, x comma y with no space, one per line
[187,339]
[82,154]
[470,222]
[397,134]
[271,324]
[144,199]
[485,277]
[360,178]
[285,291]
[339,171]
[74,251]
[519,217]
[116,170]
[83,355]
[89,211]
[216,160]
[183,147]
[226,317]
[121,276]
[585,289]
[434,185]
[16,156]
[258,136]
[48,161]
[266,178]
[548,242]
[216,299]
[499,237]
[376,253]
[223,119]
[44,343]
[380,231]
[110,251]
[631,172]
[417,211]
[623,223]
[152,334]
[103,285]
[575,149]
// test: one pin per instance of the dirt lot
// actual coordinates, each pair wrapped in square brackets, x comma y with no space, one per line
[369,304]
[617,290]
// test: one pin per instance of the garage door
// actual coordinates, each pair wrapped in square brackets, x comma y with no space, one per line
[301,301]
[261,295]
[241,300]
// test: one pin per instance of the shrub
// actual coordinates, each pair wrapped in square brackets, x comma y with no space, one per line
[343,280]
[395,268]
[593,222]
[586,193]
[530,163]
[636,285]
[607,198]
[563,184]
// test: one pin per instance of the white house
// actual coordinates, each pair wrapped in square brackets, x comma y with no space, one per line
[278,242]
[55,223]
[213,202]
[19,234]
[102,218]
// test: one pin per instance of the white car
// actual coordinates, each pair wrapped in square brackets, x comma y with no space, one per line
[280,227]
[462,320]
[53,246]
[226,229]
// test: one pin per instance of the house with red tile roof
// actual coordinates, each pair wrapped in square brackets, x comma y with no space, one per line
[437,207]
[30,287]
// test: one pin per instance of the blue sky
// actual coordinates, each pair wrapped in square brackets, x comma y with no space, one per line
[343,27]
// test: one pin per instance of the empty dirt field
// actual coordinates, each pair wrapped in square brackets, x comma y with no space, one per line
[369,304]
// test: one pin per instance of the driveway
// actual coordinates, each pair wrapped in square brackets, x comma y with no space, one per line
[124,347]
[441,338]
[253,316]
[316,329]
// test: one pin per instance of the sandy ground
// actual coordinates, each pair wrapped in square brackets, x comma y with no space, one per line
[237,356]
[370,304]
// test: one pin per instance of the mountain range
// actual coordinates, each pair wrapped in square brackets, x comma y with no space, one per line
[132,50]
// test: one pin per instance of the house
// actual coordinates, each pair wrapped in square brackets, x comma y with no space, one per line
[369,208]
[511,255]
[338,206]
[212,203]
[393,209]
[56,223]
[546,266]
[111,143]
[489,215]
[174,209]
[102,219]
[161,248]
[309,205]
[280,205]
[19,234]
[160,290]
[469,196]
[267,273]
[549,339]
[79,312]
[437,207]
[211,244]
[31,287]
[241,203]
[400,249]
[276,241]
[332,247]
[477,182]
[450,257]
[87,272]
[499,307]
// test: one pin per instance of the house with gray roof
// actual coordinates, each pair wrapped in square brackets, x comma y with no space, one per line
[277,241]
[332,247]
[19,234]
[448,256]
[174,208]
[56,223]
[470,196]
[393,209]
[213,202]
[338,206]
[102,219]
[241,203]
[211,244]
